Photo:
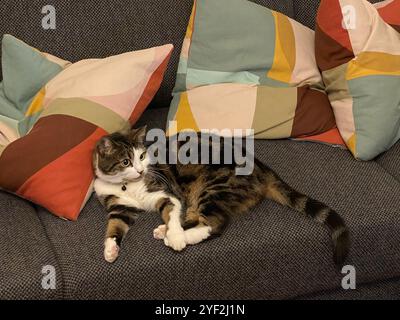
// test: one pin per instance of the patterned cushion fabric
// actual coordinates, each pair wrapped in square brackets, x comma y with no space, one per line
[389,10]
[253,68]
[51,165]
[359,54]
[25,71]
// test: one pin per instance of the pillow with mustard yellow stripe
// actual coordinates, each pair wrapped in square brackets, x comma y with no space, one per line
[244,66]
[25,72]
[72,109]
[359,55]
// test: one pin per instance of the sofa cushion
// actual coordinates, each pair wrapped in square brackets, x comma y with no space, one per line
[271,253]
[365,194]
[390,161]
[379,290]
[25,250]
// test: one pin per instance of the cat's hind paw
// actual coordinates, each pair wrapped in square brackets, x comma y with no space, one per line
[111,250]
[159,232]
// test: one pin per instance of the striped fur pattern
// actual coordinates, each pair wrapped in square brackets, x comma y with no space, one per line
[194,201]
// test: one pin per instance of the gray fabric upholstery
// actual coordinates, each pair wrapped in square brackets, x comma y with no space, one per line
[305,12]
[25,250]
[380,290]
[390,161]
[153,118]
[271,253]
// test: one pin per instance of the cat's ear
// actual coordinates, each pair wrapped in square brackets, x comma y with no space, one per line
[138,134]
[105,146]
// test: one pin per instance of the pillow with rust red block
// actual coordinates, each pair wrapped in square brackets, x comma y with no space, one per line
[253,69]
[358,51]
[70,111]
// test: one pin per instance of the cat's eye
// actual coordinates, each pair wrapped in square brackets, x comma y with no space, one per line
[143,156]
[126,162]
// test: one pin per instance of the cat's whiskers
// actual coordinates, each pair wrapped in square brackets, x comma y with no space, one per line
[161,178]
[158,176]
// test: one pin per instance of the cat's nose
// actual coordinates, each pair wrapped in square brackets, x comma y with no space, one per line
[140,171]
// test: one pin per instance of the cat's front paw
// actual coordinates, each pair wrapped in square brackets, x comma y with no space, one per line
[175,240]
[159,232]
[111,250]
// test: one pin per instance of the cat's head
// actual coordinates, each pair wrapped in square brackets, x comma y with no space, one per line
[121,157]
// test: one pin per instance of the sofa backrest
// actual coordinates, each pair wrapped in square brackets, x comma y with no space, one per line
[99,28]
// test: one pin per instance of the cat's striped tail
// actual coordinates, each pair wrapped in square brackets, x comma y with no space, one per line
[279,191]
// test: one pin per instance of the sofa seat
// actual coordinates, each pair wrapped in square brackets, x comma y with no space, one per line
[390,161]
[273,252]
[25,249]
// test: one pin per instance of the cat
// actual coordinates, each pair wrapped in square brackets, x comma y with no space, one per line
[195,200]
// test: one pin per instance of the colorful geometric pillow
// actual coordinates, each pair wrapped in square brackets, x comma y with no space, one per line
[359,55]
[25,71]
[245,66]
[51,165]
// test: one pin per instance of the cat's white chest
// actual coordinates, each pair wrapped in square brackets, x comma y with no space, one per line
[135,195]
[137,191]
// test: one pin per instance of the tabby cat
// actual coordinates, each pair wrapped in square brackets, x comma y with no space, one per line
[195,200]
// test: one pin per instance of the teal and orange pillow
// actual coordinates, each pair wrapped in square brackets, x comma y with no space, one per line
[359,55]
[244,66]
[74,107]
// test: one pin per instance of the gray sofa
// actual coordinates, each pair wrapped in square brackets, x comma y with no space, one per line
[273,253]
